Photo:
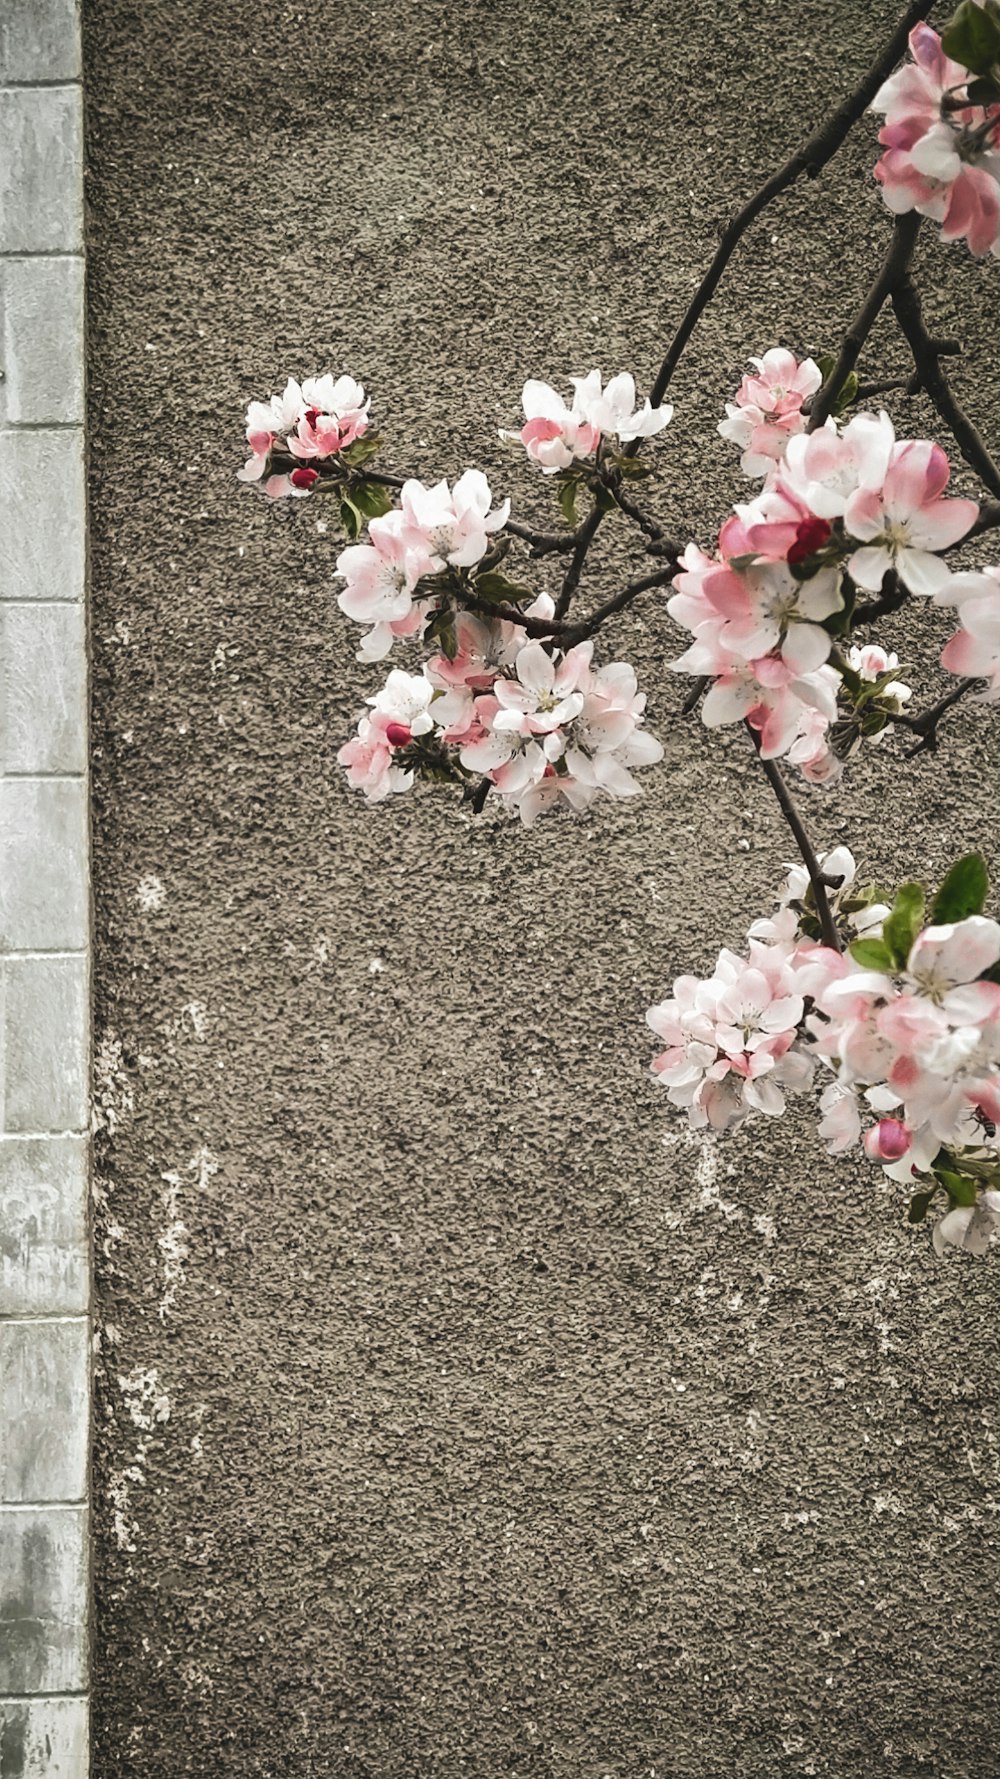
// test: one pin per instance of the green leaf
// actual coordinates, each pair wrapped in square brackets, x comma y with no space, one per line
[972,37]
[604,500]
[495,587]
[872,954]
[567,500]
[901,927]
[960,1190]
[371,499]
[983,92]
[920,1204]
[963,891]
[361,451]
[351,519]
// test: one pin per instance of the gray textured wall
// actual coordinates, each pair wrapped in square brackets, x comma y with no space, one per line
[458,1416]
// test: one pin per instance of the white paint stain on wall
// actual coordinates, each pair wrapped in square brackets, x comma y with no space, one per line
[174,1237]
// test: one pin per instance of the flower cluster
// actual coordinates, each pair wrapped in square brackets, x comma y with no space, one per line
[941,141]
[433,529]
[840,509]
[731,1037]
[536,727]
[310,422]
[767,409]
[907,1021]
[556,435]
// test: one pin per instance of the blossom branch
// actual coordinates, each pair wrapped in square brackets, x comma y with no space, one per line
[774,778]
[893,270]
[927,359]
[572,634]
[926,725]
[810,159]
[989,520]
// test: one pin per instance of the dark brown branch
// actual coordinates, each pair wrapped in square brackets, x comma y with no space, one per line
[810,159]
[927,359]
[926,725]
[700,686]
[647,525]
[585,537]
[828,925]
[543,628]
[574,633]
[890,600]
[989,519]
[543,543]
[893,270]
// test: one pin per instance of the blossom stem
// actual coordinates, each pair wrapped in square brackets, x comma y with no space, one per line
[809,159]
[575,633]
[774,778]
[927,359]
[891,274]
[926,726]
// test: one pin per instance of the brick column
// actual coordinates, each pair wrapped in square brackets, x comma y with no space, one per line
[44,903]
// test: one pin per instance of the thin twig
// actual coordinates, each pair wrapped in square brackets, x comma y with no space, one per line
[646,524]
[926,726]
[828,925]
[585,537]
[574,633]
[810,159]
[927,359]
[893,270]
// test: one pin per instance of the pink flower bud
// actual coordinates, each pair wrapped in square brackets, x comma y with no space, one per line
[887,1141]
[303,477]
[810,535]
[398,735]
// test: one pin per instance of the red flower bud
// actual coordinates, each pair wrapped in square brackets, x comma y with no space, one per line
[810,536]
[397,734]
[304,477]
[888,1140]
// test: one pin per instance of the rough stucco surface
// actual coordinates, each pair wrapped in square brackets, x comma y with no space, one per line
[457,1415]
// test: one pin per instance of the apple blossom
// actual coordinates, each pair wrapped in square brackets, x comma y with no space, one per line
[767,409]
[974,650]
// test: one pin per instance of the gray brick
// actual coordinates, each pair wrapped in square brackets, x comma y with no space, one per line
[43,688]
[48,1738]
[45,1051]
[39,40]
[41,198]
[44,905]
[44,1257]
[42,514]
[43,1599]
[42,354]
[44,1410]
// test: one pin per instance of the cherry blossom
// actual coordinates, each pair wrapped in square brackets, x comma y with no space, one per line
[940,154]
[974,650]
[905,521]
[611,408]
[380,578]
[767,409]
[451,525]
[553,435]
[730,1038]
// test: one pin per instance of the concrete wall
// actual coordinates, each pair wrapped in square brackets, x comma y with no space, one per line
[457,1417]
[44,904]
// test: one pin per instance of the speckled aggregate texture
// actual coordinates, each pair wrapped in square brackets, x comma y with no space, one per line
[459,1416]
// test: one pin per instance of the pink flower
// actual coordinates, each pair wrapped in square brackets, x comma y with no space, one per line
[452,525]
[902,523]
[553,435]
[380,578]
[611,408]
[974,650]
[940,155]
[767,409]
